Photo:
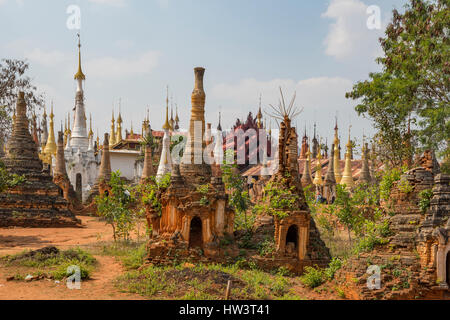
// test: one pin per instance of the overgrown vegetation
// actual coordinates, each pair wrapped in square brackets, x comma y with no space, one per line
[239,198]
[278,200]
[425,199]
[124,207]
[315,276]
[115,207]
[8,180]
[51,262]
[188,282]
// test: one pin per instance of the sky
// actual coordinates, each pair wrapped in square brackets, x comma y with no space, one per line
[133,49]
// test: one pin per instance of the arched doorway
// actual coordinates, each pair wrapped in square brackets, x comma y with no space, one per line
[195,234]
[61,192]
[79,186]
[447,264]
[292,240]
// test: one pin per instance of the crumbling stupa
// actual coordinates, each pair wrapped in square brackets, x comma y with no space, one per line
[37,202]
[61,179]
[297,239]
[414,261]
[195,213]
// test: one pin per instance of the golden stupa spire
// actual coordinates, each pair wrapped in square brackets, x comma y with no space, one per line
[259,116]
[347,177]
[336,162]
[166,125]
[131,130]
[50,147]
[318,181]
[66,132]
[79,75]
[177,118]
[119,124]
[112,139]
[69,131]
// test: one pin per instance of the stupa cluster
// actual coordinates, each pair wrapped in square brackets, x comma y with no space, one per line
[64,175]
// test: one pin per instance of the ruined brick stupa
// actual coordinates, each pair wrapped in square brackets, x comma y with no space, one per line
[414,259]
[37,202]
[195,212]
[297,239]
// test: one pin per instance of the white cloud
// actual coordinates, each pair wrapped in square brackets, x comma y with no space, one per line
[349,36]
[114,3]
[111,67]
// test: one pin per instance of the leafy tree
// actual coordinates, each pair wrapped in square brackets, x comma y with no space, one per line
[414,82]
[12,80]
[115,207]
[150,193]
[235,185]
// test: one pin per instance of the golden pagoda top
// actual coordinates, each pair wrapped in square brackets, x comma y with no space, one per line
[177,119]
[79,75]
[166,125]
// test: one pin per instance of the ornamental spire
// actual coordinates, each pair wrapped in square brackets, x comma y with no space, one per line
[79,75]
[91,133]
[166,125]
[347,177]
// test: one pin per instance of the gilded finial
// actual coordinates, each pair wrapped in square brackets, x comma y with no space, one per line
[166,125]
[79,75]
[177,118]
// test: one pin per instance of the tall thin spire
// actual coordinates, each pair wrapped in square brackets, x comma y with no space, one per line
[112,137]
[315,143]
[306,176]
[177,119]
[318,181]
[259,116]
[50,147]
[336,160]
[347,177]
[166,125]
[79,75]
[119,124]
[219,127]
[165,163]
[364,176]
[91,133]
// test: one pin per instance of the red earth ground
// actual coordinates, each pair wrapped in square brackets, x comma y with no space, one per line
[100,286]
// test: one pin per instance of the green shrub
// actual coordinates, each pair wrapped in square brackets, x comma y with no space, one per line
[312,277]
[267,247]
[333,267]
[425,199]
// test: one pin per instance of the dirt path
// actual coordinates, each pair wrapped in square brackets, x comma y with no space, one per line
[100,287]
[16,240]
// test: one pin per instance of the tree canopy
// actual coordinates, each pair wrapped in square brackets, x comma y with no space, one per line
[413,86]
[13,79]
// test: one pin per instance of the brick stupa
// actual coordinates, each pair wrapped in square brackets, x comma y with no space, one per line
[38,202]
